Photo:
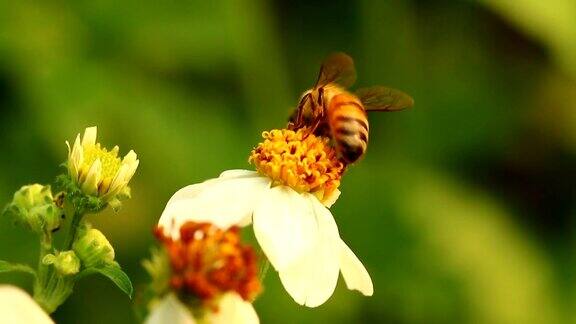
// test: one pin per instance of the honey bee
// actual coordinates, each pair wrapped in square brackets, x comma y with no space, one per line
[328,109]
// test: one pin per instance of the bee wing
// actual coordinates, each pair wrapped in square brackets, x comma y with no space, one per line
[380,98]
[338,68]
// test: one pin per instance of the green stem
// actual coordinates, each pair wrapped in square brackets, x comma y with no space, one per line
[74,225]
[51,288]
[43,276]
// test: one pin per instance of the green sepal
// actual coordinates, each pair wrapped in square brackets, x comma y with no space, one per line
[159,269]
[83,203]
[6,266]
[113,272]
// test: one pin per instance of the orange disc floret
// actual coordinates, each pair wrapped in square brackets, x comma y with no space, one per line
[207,262]
[300,160]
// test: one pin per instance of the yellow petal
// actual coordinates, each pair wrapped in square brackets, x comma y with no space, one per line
[89,138]
[75,158]
[130,157]
[93,177]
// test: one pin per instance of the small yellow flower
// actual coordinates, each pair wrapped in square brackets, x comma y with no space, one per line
[98,171]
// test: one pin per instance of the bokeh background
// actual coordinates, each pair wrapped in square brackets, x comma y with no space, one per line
[463,210]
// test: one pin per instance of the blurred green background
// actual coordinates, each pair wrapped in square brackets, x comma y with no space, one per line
[463,210]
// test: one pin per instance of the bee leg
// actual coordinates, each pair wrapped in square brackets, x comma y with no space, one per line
[293,119]
[318,120]
[299,120]
[312,129]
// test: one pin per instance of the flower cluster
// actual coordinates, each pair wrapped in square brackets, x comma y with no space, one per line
[286,200]
[207,261]
[202,272]
[95,178]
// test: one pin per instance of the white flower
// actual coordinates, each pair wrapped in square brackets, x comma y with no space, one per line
[17,307]
[232,309]
[97,171]
[295,230]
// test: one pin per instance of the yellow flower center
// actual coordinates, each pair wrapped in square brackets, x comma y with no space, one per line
[300,160]
[109,159]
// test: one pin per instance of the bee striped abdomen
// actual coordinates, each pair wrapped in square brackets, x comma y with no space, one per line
[349,126]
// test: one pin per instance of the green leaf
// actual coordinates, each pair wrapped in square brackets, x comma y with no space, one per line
[114,272]
[6,266]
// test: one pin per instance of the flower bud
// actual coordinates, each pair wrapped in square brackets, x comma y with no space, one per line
[66,263]
[93,248]
[33,205]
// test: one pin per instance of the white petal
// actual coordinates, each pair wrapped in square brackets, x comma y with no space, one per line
[285,226]
[330,200]
[170,311]
[89,138]
[168,219]
[16,307]
[239,173]
[232,309]
[190,191]
[93,177]
[223,202]
[312,279]
[355,274]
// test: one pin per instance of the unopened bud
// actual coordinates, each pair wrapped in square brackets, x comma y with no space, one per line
[93,248]
[33,205]
[66,263]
